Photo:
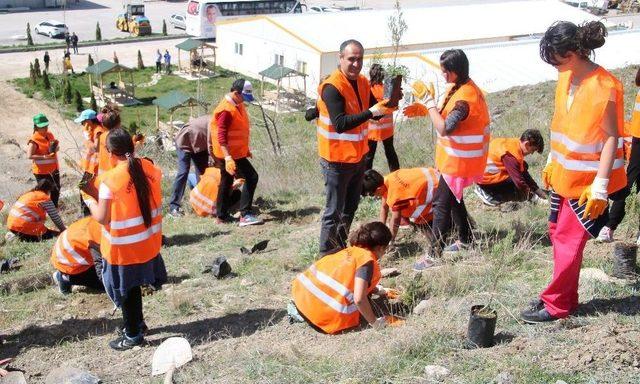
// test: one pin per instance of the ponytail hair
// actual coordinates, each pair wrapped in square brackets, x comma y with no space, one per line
[111,116]
[564,37]
[376,74]
[638,78]
[455,60]
[370,235]
[119,143]
[43,185]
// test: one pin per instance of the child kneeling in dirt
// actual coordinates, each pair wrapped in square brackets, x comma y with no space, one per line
[76,256]
[506,176]
[334,292]
[408,193]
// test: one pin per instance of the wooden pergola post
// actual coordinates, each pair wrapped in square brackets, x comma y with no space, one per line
[133,85]
[157,117]
[179,62]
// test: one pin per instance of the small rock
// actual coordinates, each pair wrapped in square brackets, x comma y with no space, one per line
[136,348]
[70,375]
[435,372]
[422,307]
[246,283]
[14,377]
[389,272]
[504,378]
[560,382]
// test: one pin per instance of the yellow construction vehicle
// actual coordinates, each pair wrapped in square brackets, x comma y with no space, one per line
[133,20]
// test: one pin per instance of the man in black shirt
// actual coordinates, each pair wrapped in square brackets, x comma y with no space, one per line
[345,106]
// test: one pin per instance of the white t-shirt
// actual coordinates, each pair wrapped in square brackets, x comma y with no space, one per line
[104,192]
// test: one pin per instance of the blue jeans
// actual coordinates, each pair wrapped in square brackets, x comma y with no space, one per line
[200,160]
[343,187]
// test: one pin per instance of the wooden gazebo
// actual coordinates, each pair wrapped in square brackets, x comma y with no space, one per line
[278,72]
[173,101]
[192,46]
[123,93]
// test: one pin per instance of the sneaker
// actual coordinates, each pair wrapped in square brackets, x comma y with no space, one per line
[485,197]
[176,212]
[536,304]
[63,286]
[535,316]
[455,247]
[638,241]
[605,235]
[424,263]
[249,219]
[125,342]
[144,330]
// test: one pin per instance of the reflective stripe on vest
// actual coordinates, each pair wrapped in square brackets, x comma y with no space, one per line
[582,165]
[135,221]
[45,161]
[132,239]
[24,212]
[338,136]
[330,301]
[578,147]
[491,168]
[63,241]
[634,124]
[430,183]
[199,200]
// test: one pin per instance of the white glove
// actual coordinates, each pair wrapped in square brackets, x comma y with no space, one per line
[381,290]
[380,323]
[429,102]
[599,188]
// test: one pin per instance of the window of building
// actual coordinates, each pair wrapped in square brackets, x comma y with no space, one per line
[278,59]
[239,48]
[301,67]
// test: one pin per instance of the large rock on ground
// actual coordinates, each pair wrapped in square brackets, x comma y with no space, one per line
[70,375]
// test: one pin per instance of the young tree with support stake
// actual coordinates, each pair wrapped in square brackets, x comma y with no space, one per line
[29,38]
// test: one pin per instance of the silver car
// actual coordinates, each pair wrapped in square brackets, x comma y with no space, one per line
[51,28]
[178,21]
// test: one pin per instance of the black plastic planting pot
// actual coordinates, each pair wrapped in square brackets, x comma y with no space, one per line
[482,326]
[393,90]
[624,260]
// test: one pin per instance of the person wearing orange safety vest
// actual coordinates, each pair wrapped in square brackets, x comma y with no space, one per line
[129,206]
[76,256]
[345,106]
[632,133]
[42,149]
[26,219]
[462,125]
[506,176]
[382,129]
[203,196]
[586,160]
[332,295]
[89,162]
[407,193]
[109,119]
[230,133]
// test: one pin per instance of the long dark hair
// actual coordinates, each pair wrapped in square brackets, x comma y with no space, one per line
[370,235]
[376,74]
[43,185]
[455,60]
[564,37]
[638,78]
[119,143]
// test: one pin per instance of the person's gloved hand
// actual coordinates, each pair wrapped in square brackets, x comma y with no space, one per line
[230,165]
[380,323]
[416,110]
[422,91]
[381,109]
[546,175]
[596,197]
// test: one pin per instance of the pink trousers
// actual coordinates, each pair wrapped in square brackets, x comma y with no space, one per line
[568,238]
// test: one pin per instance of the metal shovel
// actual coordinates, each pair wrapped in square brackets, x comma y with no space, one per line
[170,355]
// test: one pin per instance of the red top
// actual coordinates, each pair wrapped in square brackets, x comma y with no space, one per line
[224,120]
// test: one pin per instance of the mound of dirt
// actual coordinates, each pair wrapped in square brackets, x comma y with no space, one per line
[611,348]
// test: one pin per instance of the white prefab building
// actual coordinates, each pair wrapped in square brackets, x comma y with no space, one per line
[309,43]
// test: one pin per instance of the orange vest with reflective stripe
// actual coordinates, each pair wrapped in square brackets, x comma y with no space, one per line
[380,129]
[27,216]
[125,239]
[634,128]
[464,152]
[203,196]
[577,137]
[237,133]
[105,163]
[42,142]
[71,254]
[352,145]
[412,189]
[324,292]
[495,171]
[89,161]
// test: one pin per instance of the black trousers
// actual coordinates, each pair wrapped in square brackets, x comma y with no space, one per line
[617,212]
[505,191]
[55,178]
[389,152]
[447,209]
[132,312]
[158,66]
[88,278]
[50,234]
[245,170]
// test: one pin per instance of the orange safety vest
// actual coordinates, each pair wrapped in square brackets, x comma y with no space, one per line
[27,215]
[495,171]
[380,129]
[89,161]
[324,292]
[42,142]
[105,162]
[634,129]
[628,140]
[464,152]
[237,133]
[125,239]
[577,137]
[414,189]
[72,253]
[350,146]
[203,196]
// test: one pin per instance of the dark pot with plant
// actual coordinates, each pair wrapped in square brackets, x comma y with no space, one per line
[624,260]
[482,326]
[393,84]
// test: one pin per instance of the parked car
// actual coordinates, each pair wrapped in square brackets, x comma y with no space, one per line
[320,9]
[51,28]
[178,21]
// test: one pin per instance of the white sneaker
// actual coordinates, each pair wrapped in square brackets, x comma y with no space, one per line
[484,197]
[638,241]
[605,235]
[9,236]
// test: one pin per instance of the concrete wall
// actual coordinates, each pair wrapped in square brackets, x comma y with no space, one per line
[21,3]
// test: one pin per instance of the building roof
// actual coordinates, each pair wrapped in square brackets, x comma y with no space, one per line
[190,44]
[105,66]
[426,25]
[176,99]
[277,72]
